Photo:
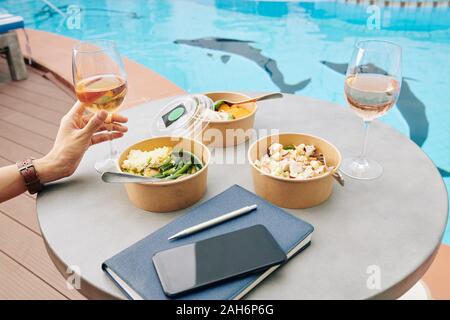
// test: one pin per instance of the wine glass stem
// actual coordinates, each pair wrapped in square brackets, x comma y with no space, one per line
[362,156]
[112,148]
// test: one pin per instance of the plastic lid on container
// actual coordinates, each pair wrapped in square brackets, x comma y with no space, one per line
[182,117]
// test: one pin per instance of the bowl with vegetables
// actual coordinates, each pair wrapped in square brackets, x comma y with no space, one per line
[294,170]
[229,124]
[179,165]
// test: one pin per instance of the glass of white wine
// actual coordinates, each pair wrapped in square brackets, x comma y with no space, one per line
[100,83]
[372,86]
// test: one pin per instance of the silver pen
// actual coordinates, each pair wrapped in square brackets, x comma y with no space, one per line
[213,222]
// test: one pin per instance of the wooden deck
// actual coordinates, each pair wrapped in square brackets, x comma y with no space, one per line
[30,112]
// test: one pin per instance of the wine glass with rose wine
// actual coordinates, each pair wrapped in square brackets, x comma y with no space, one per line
[100,84]
[372,86]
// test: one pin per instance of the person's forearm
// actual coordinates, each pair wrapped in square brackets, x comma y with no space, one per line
[12,183]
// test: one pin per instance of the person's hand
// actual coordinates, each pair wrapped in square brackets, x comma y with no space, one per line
[77,132]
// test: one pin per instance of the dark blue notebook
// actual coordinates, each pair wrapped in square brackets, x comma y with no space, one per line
[133,271]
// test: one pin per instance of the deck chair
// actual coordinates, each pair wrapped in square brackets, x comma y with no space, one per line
[9,44]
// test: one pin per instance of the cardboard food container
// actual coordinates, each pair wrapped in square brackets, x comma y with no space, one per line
[229,132]
[293,193]
[170,195]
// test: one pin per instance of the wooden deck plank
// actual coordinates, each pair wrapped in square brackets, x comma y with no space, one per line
[4,162]
[25,138]
[36,82]
[18,283]
[14,152]
[47,91]
[23,210]
[66,88]
[31,109]
[28,122]
[28,248]
[35,98]
[44,88]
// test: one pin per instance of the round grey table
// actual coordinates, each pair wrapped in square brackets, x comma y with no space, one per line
[372,239]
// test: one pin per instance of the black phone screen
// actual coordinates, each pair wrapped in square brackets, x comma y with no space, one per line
[209,261]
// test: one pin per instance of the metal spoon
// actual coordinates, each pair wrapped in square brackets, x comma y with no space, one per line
[339,178]
[120,177]
[336,175]
[268,96]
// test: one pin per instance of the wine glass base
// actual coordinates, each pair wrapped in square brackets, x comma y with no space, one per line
[106,165]
[362,169]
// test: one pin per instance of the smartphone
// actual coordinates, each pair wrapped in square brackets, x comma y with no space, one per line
[206,262]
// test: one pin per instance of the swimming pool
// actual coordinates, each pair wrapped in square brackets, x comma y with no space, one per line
[290,46]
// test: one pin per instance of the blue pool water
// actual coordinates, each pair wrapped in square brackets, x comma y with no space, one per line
[290,46]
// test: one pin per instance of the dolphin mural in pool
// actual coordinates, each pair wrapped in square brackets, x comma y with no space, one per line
[245,49]
[411,108]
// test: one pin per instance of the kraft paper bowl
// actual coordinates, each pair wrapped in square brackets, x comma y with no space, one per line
[292,193]
[230,132]
[171,195]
